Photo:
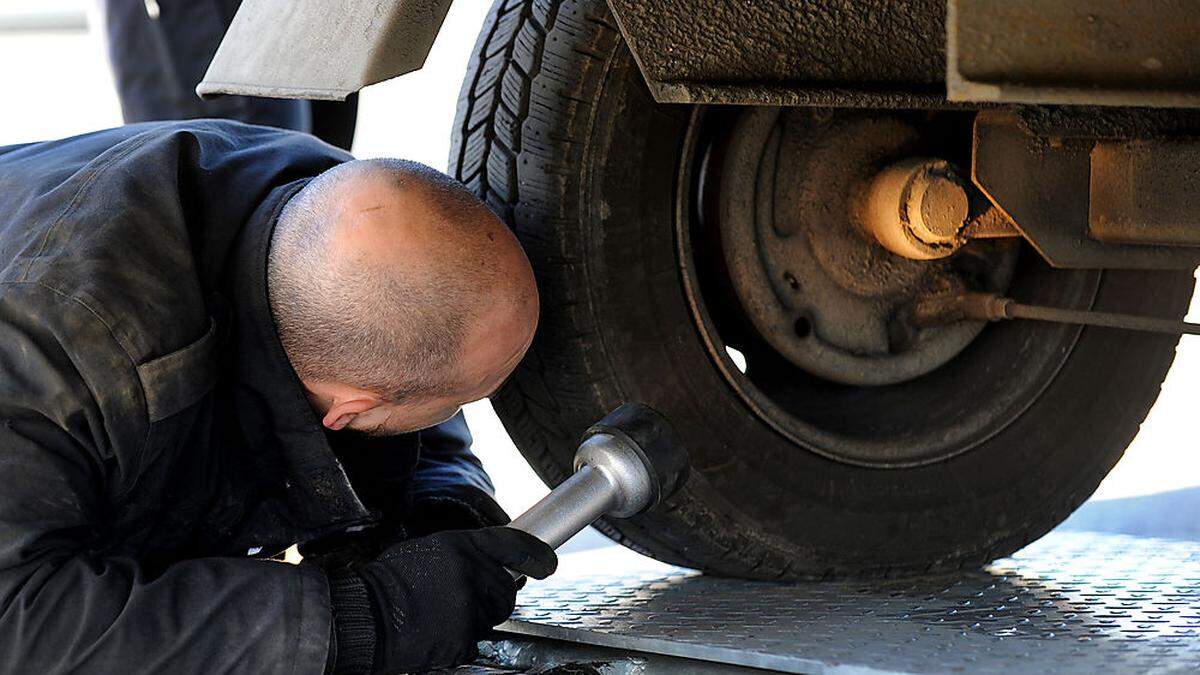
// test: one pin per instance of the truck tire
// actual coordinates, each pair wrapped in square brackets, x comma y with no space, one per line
[557,132]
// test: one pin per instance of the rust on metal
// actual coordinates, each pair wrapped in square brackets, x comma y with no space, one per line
[813,280]
[990,223]
[1095,52]
[1043,185]
[1145,192]
[782,52]
[917,208]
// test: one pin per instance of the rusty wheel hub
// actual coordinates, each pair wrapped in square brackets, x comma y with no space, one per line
[808,315]
[833,229]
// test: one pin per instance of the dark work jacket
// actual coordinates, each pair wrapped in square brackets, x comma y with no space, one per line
[153,434]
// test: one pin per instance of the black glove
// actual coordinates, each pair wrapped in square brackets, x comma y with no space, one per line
[432,598]
[343,549]
[456,508]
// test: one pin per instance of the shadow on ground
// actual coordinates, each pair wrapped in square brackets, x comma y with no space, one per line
[1169,515]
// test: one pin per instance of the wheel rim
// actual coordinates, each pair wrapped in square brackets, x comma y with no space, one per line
[893,408]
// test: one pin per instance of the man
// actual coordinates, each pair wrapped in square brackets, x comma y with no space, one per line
[216,341]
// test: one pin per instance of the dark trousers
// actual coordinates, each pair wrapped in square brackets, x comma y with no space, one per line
[160,49]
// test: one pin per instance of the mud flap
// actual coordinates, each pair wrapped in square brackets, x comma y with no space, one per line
[321,49]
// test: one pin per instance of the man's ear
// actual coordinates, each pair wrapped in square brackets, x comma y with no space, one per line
[344,410]
[338,404]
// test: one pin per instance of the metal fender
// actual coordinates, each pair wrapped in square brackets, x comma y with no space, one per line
[321,49]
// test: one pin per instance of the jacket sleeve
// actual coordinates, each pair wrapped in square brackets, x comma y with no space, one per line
[70,599]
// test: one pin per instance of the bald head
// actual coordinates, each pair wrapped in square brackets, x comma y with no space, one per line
[390,277]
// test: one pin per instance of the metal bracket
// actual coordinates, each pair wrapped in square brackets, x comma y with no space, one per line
[1044,185]
[321,50]
[1144,192]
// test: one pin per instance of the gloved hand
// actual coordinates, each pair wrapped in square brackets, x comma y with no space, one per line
[433,598]
[342,549]
[455,508]
[458,507]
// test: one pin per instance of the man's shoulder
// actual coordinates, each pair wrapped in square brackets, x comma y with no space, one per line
[94,143]
[64,359]
[216,149]
[69,332]
[224,135]
[141,225]
[135,226]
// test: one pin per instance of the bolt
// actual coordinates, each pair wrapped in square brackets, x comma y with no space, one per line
[917,208]
[937,207]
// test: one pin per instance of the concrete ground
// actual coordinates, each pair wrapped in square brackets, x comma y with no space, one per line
[56,83]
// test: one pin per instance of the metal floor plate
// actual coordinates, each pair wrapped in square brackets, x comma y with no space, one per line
[1070,602]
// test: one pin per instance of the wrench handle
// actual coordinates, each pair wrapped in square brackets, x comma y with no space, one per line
[576,503]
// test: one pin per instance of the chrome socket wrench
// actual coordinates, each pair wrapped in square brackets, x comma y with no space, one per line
[628,463]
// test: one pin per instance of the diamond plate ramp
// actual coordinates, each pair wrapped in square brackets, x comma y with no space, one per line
[1072,602]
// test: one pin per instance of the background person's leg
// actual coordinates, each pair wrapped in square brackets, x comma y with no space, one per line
[159,51]
[334,121]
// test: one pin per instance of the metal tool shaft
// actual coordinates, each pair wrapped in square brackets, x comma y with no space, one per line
[611,479]
[626,464]
[576,503]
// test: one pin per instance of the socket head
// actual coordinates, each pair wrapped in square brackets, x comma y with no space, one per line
[647,436]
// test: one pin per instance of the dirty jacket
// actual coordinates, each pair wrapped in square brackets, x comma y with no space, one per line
[155,444]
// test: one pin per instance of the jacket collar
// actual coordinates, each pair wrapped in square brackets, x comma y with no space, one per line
[274,413]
